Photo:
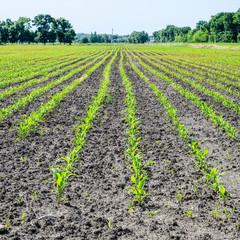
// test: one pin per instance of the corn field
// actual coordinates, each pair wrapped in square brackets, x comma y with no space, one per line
[119,142]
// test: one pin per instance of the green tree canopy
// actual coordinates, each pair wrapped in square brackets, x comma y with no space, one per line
[138,37]
[43,24]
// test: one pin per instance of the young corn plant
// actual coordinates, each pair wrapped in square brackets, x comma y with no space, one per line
[60,177]
[189,213]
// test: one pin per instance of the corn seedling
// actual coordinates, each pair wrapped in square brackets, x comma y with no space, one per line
[23,217]
[223,193]
[238,226]
[23,159]
[195,189]
[61,176]
[7,222]
[20,198]
[90,197]
[181,196]
[153,213]
[189,213]
[109,99]
[227,213]
[216,213]
[35,196]
[109,224]
[131,208]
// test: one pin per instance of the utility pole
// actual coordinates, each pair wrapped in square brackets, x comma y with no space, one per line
[112,35]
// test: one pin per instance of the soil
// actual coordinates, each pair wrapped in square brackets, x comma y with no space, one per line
[97,201]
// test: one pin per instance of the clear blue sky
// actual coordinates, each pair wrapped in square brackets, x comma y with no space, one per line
[124,16]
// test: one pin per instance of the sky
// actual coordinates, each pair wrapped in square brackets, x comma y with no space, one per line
[123,16]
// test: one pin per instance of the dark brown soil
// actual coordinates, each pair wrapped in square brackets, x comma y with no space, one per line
[99,193]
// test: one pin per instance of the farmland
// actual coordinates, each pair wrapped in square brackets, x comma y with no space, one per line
[119,142]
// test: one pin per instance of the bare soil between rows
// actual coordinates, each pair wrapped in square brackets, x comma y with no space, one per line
[99,193]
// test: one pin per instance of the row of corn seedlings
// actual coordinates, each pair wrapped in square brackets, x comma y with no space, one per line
[211,93]
[217,69]
[202,105]
[212,175]
[61,173]
[21,102]
[208,71]
[11,90]
[22,61]
[31,123]
[199,76]
[21,68]
[133,152]
[28,67]
[42,71]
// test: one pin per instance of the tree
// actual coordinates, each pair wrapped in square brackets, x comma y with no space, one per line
[84,40]
[223,27]
[156,36]
[23,27]
[190,35]
[3,32]
[43,24]
[13,34]
[106,38]
[138,37]
[200,37]
[236,21]
[52,36]
[94,38]
[62,28]
[200,25]
[69,36]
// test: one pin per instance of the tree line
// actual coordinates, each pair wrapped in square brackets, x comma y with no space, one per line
[48,30]
[134,37]
[101,38]
[223,27]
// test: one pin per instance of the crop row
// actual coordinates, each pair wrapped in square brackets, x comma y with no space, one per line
[21,102]
[208,64]
[61,173]
[202,105]
[26,69]
[133,152]
[43,70]
[11,90]
[211,175]
[208,92]
[202,76]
